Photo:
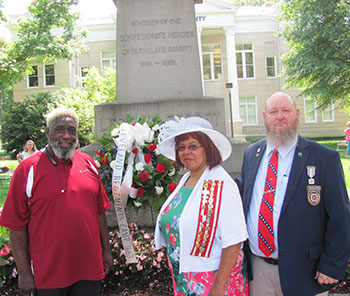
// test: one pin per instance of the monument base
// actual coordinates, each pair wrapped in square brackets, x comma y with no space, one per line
[212,109]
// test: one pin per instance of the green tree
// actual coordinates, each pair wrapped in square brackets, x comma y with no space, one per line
[45,34]
[24,121]
[97,90]
[318,35]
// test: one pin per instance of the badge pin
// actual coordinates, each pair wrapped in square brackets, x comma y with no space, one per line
[313,194]
[300,154]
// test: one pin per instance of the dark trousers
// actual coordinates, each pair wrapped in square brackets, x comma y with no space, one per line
[80,288]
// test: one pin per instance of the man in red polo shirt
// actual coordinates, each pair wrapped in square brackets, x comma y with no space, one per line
[55,210]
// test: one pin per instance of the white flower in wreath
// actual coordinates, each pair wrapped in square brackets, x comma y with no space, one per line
[97,163]
[139,166]
[113,164]
[115,132]
[156,152]
[137,204]
[159,189]
[172,172]
[156,127]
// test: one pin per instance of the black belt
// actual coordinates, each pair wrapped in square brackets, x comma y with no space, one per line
[270,260]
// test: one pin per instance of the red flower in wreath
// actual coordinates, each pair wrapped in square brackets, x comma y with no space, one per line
[144,177]
[104,159]
[172,187]
[147,158]
[140,191]
[98,152]
[160,168]
[152,147]
[134,150]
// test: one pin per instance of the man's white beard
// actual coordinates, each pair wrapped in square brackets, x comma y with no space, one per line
[278,139]
[62,153]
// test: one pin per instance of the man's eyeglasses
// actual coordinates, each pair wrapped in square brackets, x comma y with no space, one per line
[191,147]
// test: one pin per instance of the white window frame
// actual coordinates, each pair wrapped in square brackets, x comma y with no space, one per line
[243,52]
[268,67]
[306,112]
[45,76]
[246,110]
[112,61]
[212,64]
[330,108]
[32,75]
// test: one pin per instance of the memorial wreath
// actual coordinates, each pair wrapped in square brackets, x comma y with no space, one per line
[150,176]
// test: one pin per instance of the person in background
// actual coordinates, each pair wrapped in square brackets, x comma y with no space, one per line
[297,208]
[202,222]
[28,150]
[55,210]
[347,138]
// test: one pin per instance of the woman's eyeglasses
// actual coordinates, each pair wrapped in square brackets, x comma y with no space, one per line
[191,147]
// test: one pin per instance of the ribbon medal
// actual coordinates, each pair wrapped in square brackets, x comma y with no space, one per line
[311,171]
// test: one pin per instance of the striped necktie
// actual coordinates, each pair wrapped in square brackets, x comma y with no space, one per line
[265,224]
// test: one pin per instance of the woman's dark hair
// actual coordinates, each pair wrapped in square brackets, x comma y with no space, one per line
[211,151]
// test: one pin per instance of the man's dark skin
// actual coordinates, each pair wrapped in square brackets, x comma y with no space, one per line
[65,134]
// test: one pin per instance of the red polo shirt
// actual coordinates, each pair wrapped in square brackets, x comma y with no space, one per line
[60,205]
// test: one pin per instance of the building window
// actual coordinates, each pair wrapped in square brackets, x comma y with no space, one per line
[270,67]
[245,60]
[108,60]
[212,63]
[248,110]
[33,79]
[310,110]
[83,72]
[49,75]
[328,113]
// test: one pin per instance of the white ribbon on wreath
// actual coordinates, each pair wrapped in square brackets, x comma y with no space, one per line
[137,135]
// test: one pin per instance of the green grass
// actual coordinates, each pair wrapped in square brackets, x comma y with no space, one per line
[4,185]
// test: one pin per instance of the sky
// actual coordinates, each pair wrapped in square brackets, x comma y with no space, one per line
[90,8]
[87,8]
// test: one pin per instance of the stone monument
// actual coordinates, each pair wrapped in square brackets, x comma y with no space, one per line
[158,69]
[157,51]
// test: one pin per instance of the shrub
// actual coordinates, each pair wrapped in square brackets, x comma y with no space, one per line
[148,259]
[7,263]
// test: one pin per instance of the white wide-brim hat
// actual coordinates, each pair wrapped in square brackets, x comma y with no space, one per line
[173,128]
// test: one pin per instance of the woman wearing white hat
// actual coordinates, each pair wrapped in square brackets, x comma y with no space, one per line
[202,222]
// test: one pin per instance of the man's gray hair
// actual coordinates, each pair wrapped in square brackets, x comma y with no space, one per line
[59,113]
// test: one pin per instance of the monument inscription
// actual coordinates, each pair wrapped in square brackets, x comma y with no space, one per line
[157,51]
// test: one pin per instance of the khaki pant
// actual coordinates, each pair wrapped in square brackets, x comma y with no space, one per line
[266,279]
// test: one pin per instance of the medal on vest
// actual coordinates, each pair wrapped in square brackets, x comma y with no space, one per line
[311,171]
[313,194]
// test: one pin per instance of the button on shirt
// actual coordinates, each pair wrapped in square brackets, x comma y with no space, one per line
[285,160]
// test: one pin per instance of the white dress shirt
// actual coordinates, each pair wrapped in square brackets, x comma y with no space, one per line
[285,160]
